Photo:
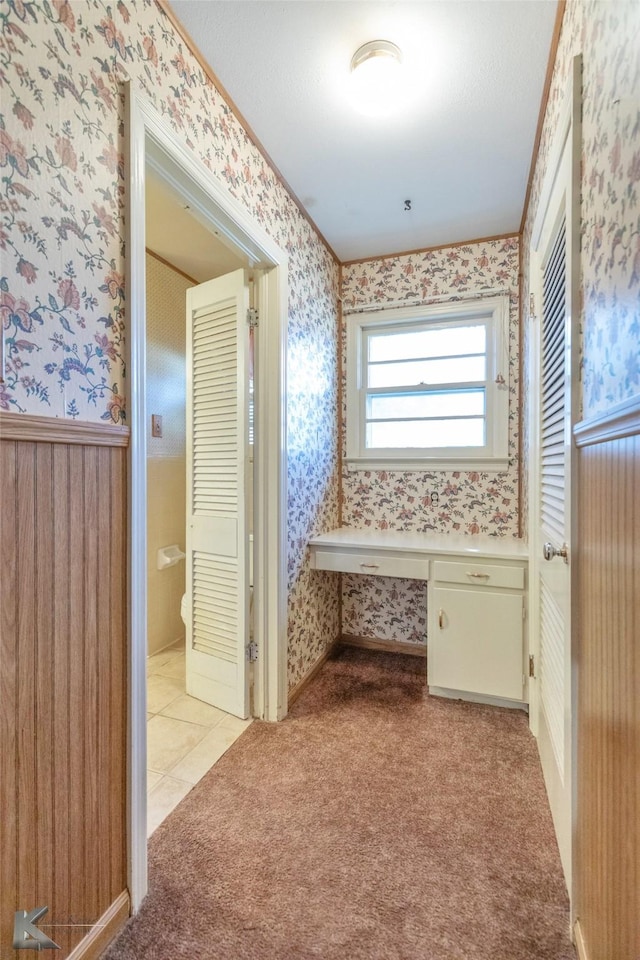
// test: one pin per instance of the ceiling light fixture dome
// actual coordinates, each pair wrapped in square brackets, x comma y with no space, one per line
[376,77]
[376,48]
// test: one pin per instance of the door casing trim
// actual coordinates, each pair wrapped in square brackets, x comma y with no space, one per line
[149,140]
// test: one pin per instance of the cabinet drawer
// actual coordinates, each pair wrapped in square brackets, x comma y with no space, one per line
[479,574]
[411,568]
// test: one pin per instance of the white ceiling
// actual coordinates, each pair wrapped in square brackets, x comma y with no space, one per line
[460,153]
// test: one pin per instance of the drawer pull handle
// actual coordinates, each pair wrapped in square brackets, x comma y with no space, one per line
[369,566]
[441,618]
[478,576]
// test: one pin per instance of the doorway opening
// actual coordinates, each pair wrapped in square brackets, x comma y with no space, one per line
[152,146]
[186,734]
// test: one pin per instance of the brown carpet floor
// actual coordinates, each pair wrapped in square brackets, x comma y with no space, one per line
[375,822]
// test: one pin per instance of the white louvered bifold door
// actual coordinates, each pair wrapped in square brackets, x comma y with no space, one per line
[554,611]
[552,494]
[554,400]
[217,444]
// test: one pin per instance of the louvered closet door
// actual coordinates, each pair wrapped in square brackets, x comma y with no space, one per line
[554,596]
[554,400]
[217,443]
[551,590]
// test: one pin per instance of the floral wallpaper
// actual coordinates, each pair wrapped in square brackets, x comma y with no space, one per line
[607,34]
[445,502]
[62,283]
[312,450]
[384,608]
[611,205]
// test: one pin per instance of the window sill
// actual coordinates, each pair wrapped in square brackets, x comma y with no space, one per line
[425,465]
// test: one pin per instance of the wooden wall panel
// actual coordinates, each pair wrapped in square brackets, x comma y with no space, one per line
[62,682]
[8,685]
[608,649]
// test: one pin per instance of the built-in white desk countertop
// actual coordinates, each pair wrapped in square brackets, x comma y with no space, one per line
[476,599]
[389,543]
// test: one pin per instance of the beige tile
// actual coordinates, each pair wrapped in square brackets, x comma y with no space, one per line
[169,740]
[174,651]
[223,734]
[164,797]
[157,659]
[234,724]
[153,779]
[195,764]
[175,667]
[161,691]
[194,711]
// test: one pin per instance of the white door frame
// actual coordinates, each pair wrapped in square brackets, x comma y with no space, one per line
[149,140]
[567,138]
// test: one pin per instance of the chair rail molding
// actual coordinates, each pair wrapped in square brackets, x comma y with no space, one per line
[23,426]
[620,420]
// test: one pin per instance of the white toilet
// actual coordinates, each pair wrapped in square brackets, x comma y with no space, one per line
[183,602]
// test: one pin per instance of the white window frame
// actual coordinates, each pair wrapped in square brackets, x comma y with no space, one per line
[494,455]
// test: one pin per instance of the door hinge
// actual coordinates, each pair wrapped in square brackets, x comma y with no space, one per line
[252,651]
[532,306]
[252,316]
[532,666]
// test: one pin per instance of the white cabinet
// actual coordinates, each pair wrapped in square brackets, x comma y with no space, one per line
[476,602]
[476,631]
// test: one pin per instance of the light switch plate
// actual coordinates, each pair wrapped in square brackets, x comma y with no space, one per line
[156,425]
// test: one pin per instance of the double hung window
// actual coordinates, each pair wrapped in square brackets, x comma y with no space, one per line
[427,387]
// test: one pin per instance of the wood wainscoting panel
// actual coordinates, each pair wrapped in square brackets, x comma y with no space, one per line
[608,652]
[62,685]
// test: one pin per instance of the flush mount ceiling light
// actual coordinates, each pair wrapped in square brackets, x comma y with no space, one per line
[376,77]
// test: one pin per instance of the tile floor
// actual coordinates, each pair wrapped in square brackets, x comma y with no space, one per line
[185,736]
